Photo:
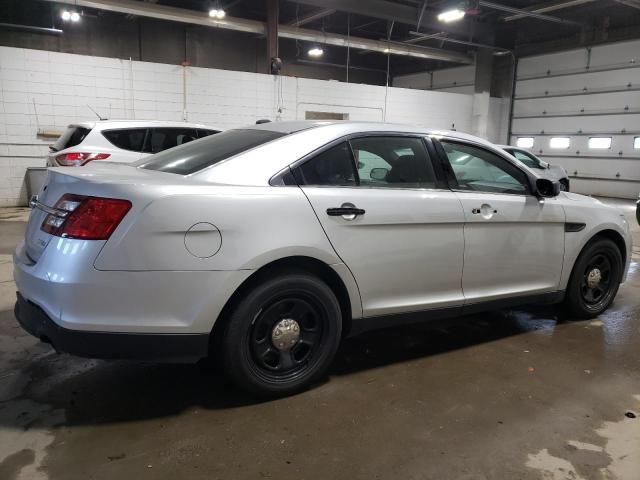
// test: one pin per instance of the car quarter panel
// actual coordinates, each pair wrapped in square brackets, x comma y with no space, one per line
[255,224]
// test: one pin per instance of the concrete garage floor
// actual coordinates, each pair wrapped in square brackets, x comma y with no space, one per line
[506,395]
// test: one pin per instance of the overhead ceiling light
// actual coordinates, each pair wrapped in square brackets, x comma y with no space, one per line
[217,13]
[70,16]
[315,52]
[451,15]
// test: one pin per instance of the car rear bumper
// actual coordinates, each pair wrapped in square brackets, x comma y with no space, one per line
[110,345]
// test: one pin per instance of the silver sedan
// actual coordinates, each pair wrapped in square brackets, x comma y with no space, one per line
[267,245]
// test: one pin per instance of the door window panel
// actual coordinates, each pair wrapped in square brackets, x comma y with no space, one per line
[393,162]
[126,138]
[476,169]
[333,167]
[164,138]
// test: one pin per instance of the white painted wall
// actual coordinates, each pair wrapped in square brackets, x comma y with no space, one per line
[597,92]
[59,86]
[452,80]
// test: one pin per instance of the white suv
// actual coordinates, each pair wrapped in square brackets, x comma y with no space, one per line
[122,141]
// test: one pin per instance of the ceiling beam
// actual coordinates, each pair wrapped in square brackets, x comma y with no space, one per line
[630,3]
[526,13]
[392,11]
[312,17]
[182,15]
[546,7]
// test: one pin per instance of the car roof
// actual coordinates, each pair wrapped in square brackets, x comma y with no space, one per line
[347,127]
[106,124]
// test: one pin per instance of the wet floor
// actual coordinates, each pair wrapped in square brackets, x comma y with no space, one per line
[505,395]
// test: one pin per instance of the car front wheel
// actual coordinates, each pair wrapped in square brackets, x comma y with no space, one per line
[283,335]
[595,279]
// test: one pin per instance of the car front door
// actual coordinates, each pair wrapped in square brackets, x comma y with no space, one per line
[398,230]
[514,241]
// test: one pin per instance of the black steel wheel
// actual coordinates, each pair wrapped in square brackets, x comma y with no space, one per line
[283,335]
[595,279]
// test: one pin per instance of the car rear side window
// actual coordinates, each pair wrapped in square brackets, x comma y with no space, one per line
[130,139]
[164,138]
[332,167]
[70,138]
[208,151]
[393,162]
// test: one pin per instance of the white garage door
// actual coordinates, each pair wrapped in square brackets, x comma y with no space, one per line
[581,109]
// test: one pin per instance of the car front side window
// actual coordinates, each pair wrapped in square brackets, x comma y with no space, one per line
[477,169]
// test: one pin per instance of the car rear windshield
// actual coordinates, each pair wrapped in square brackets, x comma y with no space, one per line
[203,153]
[72,137]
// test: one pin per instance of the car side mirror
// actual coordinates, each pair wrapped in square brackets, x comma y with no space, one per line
[547,188]
[379,174]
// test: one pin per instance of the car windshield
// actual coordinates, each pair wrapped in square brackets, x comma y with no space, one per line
[526,158]
[199,154]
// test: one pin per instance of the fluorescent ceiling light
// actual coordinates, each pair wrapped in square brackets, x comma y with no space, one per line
[315,52]
[524,142]
[636,142]
[559,142]
[451,15]
[600,142]
[217,13]
[70,16]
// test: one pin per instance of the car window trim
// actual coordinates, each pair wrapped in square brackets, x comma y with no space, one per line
[444,159]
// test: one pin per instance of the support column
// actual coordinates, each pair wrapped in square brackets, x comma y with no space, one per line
[481,103]
[272,31]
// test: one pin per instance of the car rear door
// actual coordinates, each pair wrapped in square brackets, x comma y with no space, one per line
[514,241]
[395,226]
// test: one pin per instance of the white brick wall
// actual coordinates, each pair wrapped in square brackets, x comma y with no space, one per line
[61,86]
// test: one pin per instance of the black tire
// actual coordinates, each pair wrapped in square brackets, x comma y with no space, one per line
[583,298]
[250,355]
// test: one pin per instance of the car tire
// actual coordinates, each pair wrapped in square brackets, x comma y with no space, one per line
[594,280]
[283,335]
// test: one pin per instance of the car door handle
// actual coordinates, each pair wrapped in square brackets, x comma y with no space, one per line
[344,211]
[484,210]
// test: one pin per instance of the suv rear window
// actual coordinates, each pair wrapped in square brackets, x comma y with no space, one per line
[70,138]
[130,139]
[166,138]
[195,156]
[203,132]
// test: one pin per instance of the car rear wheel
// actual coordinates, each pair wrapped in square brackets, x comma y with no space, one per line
[283,335]
[594,280]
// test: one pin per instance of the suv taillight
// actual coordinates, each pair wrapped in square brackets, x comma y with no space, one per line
[79,158]
[87,218]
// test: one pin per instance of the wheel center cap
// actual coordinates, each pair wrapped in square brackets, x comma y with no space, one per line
[594,277]
[285,334]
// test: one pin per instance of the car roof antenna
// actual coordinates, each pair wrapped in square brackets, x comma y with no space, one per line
[97,114]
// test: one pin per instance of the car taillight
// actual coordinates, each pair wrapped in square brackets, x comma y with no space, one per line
[79,158]
[87,218]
